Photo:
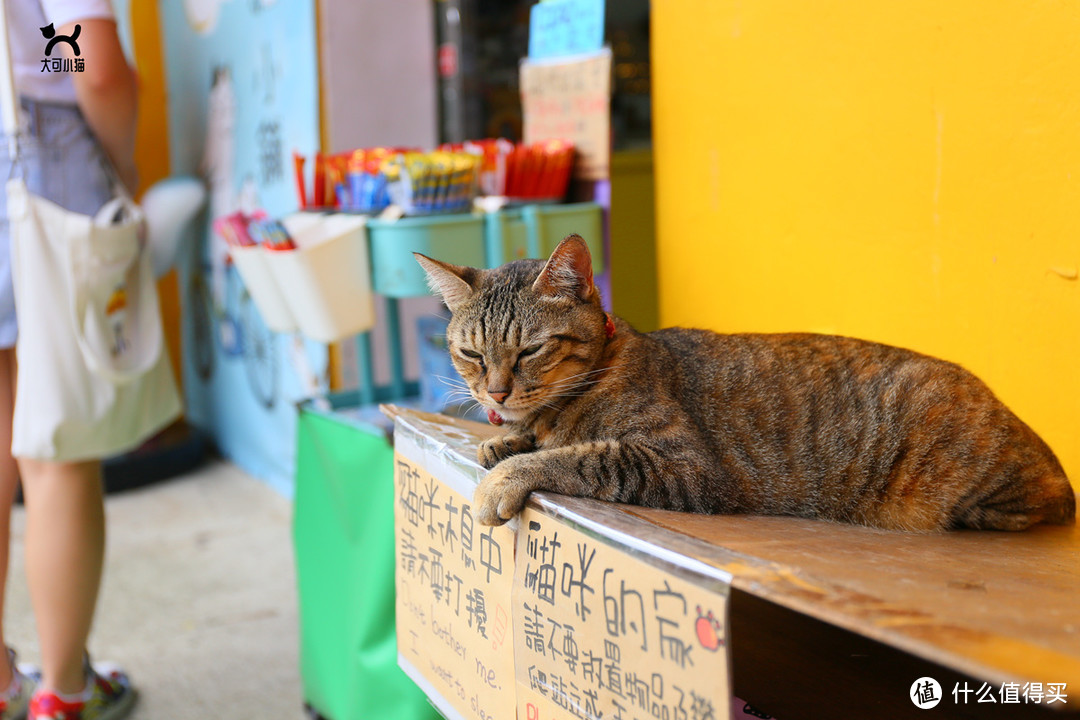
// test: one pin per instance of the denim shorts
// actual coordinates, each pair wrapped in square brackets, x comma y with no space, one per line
[61,161]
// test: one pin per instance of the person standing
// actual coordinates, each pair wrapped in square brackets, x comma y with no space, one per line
[74,121]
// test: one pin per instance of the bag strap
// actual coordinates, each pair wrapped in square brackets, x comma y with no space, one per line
[9,104]
[122,205]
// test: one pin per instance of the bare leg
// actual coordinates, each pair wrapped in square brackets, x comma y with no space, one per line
[65,549]
[9,478]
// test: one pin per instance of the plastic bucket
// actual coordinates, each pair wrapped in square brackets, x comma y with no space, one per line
[457,239]
[251,263]
[326,279]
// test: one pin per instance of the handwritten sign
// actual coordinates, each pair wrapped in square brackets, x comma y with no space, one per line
[565,27]
[602,635]
[571,101]
[453,583]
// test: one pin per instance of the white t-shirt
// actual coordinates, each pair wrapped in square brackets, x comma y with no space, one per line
[25,20]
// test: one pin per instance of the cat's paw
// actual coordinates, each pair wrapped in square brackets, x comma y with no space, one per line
[494,450]
[501,494]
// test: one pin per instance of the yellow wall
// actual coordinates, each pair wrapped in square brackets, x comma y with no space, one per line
[904,172]
[633,224]
[152,147]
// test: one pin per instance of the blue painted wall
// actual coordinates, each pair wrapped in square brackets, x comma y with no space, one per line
[240,381]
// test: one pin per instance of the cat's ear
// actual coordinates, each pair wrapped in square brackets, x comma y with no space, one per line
[454,283]
[568,271]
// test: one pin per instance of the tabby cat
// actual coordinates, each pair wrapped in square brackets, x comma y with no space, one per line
[794,424]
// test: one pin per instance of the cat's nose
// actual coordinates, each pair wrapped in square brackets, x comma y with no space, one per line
[498,396]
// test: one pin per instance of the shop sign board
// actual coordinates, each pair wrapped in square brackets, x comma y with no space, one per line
[570,99]
[453,579]
[565,27]
[574,610]
[608,626]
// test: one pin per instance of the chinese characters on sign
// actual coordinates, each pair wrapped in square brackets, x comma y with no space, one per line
[571,101]
[601,635]
[271,151]
[565,27]
[453,587]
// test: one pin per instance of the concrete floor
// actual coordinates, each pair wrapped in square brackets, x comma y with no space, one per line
[198,601]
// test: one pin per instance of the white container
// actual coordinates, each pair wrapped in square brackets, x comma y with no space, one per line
[326,280]
[301,224]
[269,298]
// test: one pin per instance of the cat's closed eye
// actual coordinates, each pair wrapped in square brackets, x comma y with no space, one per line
[472,355]
[532,350]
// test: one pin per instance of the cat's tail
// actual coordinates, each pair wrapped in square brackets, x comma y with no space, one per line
[1059,505]
[1047,499]
[1048,491]
[1040,491]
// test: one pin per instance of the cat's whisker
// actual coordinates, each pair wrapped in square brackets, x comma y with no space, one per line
[586,378]
[594,371]
[451,382]
[458,388]
[569,388]
[545,405]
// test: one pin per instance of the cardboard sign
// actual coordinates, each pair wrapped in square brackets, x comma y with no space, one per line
[571,101]
[565,27]
[600,633]
[453,587]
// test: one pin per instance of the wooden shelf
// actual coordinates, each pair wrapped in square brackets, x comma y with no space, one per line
[856,603]
[830,621]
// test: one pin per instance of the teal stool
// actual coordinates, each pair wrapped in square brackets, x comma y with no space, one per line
[533,231]
[457,239]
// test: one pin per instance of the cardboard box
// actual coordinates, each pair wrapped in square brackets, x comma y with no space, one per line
[836,615]
[453,576]
[577,609]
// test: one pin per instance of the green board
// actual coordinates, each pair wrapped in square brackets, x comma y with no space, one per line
[343,530]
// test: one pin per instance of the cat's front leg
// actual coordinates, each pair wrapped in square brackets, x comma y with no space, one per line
[494,450]
[607,470]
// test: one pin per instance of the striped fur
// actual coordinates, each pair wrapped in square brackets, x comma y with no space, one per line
[795,424]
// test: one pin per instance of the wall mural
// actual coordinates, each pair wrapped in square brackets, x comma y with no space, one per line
[242,86]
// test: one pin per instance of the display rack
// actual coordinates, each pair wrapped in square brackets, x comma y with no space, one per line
[527,231]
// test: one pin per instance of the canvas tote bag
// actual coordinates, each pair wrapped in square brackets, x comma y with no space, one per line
[93,379]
